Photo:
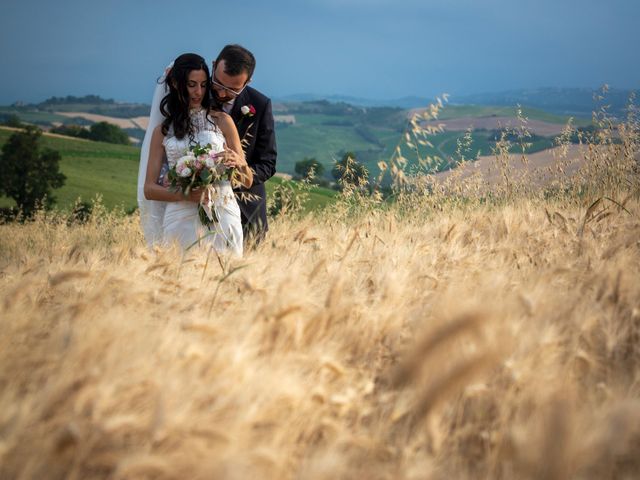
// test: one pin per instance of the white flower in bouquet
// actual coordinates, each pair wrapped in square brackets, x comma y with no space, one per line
[185,163]
[184,171]
[186,160]
[210,162]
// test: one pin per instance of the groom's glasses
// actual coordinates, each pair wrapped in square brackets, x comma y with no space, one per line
[219,86]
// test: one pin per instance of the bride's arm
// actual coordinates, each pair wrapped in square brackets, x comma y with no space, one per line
[153,191]
[236,159]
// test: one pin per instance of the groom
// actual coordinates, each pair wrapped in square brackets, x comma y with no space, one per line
[251,112]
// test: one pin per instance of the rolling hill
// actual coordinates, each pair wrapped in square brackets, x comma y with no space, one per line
[326,130]
[577,102]
[111,171]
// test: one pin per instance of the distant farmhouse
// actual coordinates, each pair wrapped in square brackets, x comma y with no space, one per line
[288,119]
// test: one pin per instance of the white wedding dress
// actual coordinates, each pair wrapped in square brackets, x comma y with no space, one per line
[181,223]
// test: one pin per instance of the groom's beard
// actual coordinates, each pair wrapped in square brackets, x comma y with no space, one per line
[220,101]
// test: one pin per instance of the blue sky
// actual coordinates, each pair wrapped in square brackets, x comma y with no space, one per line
[365,48]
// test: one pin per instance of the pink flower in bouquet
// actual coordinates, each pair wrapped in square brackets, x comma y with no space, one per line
[183,170]
[184,159]
[200,162]
[184,166]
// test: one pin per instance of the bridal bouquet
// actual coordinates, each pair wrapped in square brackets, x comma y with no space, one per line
[200,167]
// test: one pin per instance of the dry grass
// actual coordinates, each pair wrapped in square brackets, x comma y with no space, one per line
[488,342]
[459,332]
[541,167]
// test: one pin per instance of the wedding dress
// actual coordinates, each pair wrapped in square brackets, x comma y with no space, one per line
[181,222]
[166,222]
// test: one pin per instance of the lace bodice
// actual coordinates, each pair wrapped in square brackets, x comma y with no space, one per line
[206,132]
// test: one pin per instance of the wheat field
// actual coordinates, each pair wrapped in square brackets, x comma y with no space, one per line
[495,342]
[441,336]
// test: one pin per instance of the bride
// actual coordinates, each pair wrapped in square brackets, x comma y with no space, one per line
[180,118]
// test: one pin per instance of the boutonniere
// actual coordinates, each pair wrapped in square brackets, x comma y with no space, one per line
[248,110]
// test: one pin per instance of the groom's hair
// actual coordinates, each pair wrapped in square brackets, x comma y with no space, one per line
[237,60]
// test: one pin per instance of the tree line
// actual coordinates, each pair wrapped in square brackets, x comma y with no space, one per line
[87,99]
[98,132]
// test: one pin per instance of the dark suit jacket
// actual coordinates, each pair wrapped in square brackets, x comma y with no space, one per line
[259,141]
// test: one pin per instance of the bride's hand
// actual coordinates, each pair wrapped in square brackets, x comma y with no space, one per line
[232,159]
[164,181]
[194,195]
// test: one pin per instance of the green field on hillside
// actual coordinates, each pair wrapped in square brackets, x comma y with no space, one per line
[38,117]
[444,149]
[373,134]
[93,167]
[111,170]
[456,111]
[322,130]
[310,139]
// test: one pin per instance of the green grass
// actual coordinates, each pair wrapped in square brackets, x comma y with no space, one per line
[313,135]
[111,170]
[310,137]
[93,168]
[39,118]
[325,135]
[319,197]
[445,146]
[450,112]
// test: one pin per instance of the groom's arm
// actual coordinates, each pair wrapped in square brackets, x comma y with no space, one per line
[264,155]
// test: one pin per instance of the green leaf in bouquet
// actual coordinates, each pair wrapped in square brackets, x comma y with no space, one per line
[198,149]
[204,220]
[205,176]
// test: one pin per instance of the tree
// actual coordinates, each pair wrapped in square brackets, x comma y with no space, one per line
[349,171]
[108,132]
[306,165]
[13,120]
[71,131]
[28,173]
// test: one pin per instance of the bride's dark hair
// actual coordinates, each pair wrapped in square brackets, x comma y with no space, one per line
[175,105]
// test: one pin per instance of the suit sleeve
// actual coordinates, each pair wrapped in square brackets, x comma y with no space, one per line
[265,151]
